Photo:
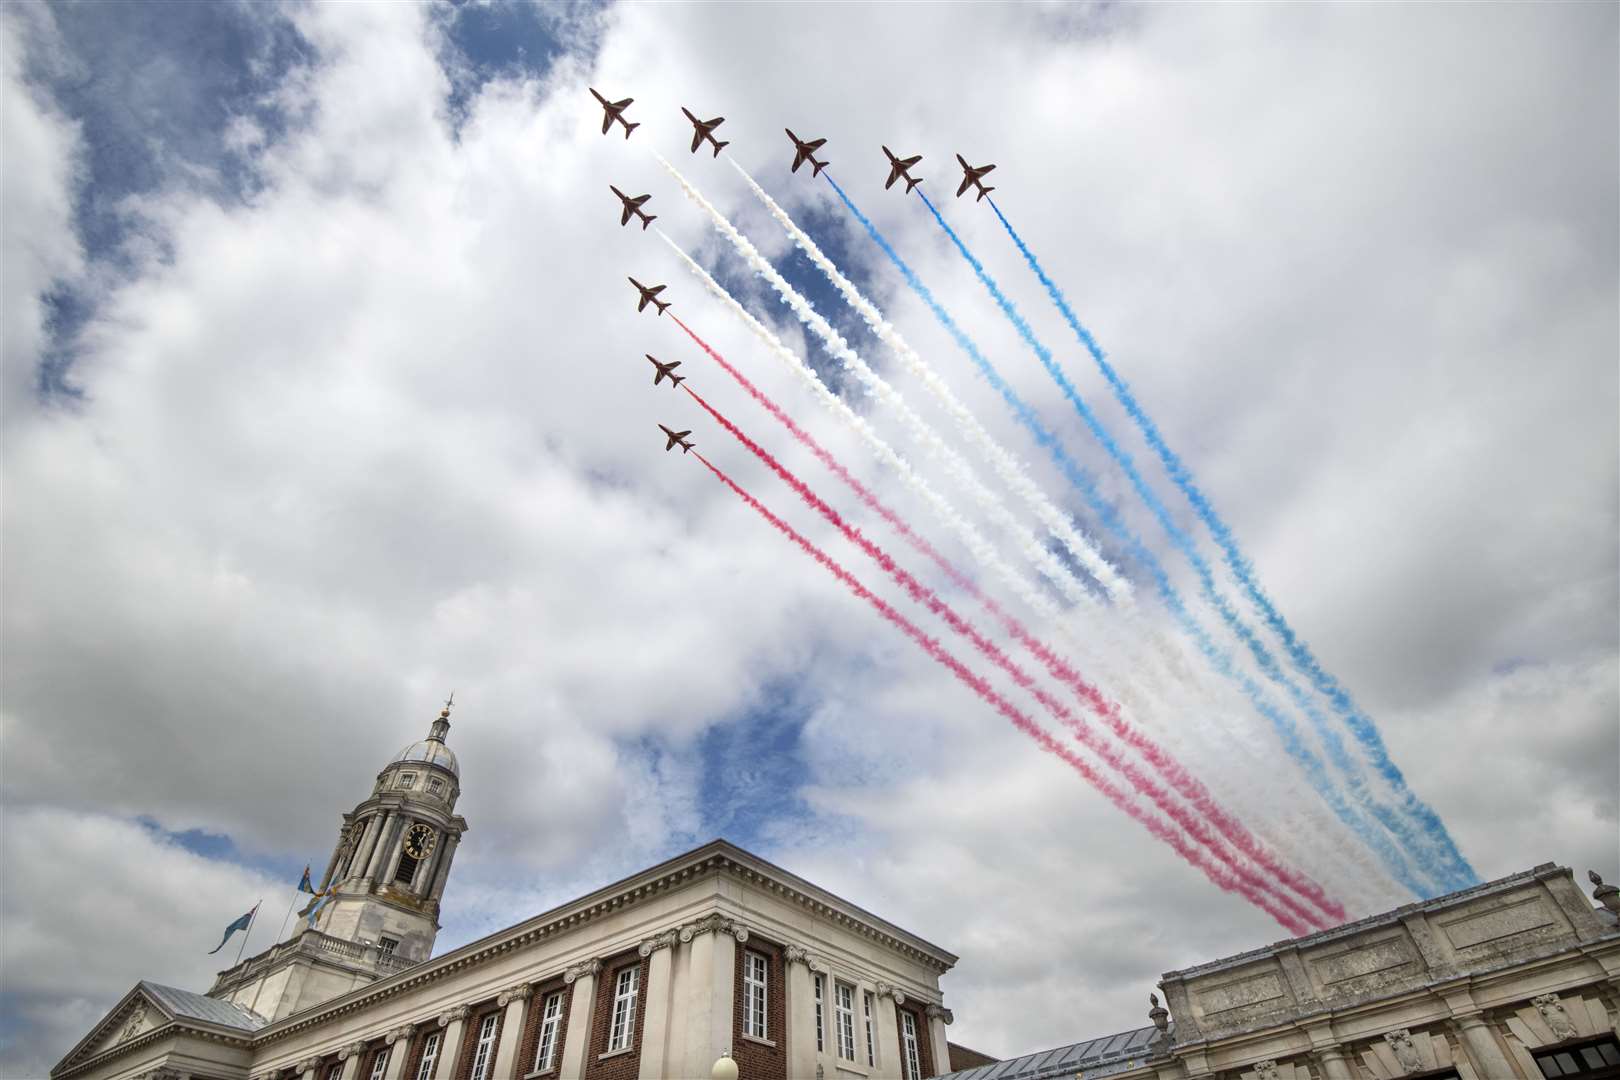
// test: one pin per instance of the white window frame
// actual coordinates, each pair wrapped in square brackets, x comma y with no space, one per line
[844,1013]
[379,1067]
[484,1052]
[756,989]
[908,1039]
[335,1072]
[405,780]
[430,1056]
[545,1049]
[871,1044]
[626,984]
[821,1022]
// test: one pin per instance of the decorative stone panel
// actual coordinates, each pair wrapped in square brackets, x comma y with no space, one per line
[1404,1053]
[1551,1019]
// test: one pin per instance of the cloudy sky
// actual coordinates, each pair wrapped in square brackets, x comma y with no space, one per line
[323,395]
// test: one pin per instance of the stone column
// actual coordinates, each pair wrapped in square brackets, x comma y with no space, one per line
[887,1023]
[399,1048]
[506,1049]
[712,991]
[1483,1050]
[938,1017]
[376,846]
[352,1056]
[454,1022]
[337,852]
[1334,1064]
[800,1049]
[441,869]
[581,1007]
[659,952]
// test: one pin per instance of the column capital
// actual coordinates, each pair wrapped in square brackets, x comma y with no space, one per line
[712,924]
[942,1013]
[884,989]
[354,1049]
[460,1012]
[520,992]
[584,967]
[400,1034]
[666,940]
[305,1065]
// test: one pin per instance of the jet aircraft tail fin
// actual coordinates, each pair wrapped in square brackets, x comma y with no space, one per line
[628,128]
[983,191]
[817,166]
[910,183]
[719,146]
[646,220]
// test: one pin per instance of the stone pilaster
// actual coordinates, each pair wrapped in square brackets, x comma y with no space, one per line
[801,1012]
[506,1050]
[659,952]
[399,1048]
[1481,1046]
[581,1013]
[454,1022]
[938,1017]
[378,847]
[353,1056]
[887,1022]
[712,941]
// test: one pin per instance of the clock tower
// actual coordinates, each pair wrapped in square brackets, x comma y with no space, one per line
[387,873]
[377,906]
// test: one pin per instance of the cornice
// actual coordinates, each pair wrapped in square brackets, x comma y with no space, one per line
[712,859]
[195,1029]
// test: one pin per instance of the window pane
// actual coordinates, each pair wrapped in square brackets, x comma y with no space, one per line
[1549,1068]
[1610,1052]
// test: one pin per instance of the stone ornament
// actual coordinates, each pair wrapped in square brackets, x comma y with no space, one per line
[1158,1013]
[884,989]
[940,1012]
[400,1034]
[354,1049]
[1552,1011]
[712,924]
[460,1012]
[1265,1070]
[302,1067]
[136,1021]
[588,967]
[1406,1054]
[666,940]
[521,992]
[1607,895]
[796,954]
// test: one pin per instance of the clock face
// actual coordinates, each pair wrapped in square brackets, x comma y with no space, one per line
[419,841]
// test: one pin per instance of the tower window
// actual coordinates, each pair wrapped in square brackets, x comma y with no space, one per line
[436,785]
[387,945]
[406,779]
[405,873]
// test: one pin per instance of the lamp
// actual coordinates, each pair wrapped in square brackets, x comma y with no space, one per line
[724,1067]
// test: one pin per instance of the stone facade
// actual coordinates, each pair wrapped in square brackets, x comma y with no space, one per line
[1471,986]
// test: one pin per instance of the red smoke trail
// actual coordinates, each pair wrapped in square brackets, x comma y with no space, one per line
[991,652]
[1173,771]
[1221,878]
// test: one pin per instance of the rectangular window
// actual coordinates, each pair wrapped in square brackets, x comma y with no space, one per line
[1594,1059]
[845,1006]
[430,1057]
[756,971]
[379,1066]
[406,779]
[406,870]
[550,1020]
[871,1043]
[624,1008]
[484,1052]
[821,1023]
[387,945]
[908,1042]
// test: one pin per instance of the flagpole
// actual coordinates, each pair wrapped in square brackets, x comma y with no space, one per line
[287,917]
[249,932]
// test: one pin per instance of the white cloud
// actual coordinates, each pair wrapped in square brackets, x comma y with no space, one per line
[385,430]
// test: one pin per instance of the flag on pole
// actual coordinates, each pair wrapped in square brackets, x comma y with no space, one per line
[239,924]
[322,900]
[304,885]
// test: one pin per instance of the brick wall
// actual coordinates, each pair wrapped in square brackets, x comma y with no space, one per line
[754,1059]
[469,1038]
[529,1045]
[625,1066]
[368,1060]
[925,1048]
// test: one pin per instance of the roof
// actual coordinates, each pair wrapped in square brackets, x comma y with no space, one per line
[1096,1057]
[183,1004]
[430,752]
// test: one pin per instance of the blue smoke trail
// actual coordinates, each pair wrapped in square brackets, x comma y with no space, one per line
[1365,732]
[1434,840]
[1285,728]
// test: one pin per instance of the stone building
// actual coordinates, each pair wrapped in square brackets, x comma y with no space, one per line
[719,953]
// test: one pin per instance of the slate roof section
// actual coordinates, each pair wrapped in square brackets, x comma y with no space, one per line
[1095,1057]
[185,1004]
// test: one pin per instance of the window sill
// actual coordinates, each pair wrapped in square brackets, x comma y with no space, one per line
[756,1039]
[615,1053]
[552,1071]
[844,1065]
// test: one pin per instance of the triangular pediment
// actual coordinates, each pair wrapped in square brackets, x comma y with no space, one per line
[137,1014]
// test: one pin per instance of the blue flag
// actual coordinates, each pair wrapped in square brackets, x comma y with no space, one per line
[304,885]
[239,924]
[323,899]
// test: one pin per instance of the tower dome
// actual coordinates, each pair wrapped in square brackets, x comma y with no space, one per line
[432,750]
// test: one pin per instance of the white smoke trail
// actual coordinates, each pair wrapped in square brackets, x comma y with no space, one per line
[954,464]
[1007,468]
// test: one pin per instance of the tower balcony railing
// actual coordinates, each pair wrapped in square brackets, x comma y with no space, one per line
[310,943]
